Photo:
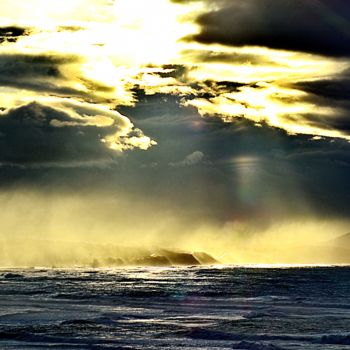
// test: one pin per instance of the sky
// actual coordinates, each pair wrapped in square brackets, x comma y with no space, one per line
[175,123]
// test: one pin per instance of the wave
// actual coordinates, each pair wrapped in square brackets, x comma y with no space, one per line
[336,339]
[256,346]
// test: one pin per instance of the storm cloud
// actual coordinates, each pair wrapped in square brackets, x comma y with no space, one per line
[65,136]
[319,27]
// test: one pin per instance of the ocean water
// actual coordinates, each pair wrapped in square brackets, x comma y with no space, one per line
[176,308]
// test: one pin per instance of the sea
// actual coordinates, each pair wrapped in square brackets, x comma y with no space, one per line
[218,307]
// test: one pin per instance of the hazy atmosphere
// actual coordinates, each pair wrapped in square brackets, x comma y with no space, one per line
[132,127]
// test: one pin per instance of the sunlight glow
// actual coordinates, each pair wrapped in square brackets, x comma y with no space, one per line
[147,32]
[126,44]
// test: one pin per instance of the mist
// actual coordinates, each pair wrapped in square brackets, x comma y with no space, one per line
[63,229]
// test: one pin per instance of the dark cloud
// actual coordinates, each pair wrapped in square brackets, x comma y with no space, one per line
[14,67]
[333,93]
[38,135]
[46,74]
[339,122]
[209,89]
[320,27]
[337,88]
[174,71]
[12,34]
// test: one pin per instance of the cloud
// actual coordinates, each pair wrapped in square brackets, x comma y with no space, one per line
[74,11]
[68,134]
[268,85]
[190,160]
[233,57]
[69,66]
[11,34]
[337,89]
[281,107]
[319,27]
[80,60]
[58,74]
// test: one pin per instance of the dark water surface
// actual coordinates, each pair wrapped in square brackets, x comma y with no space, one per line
[176,308]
